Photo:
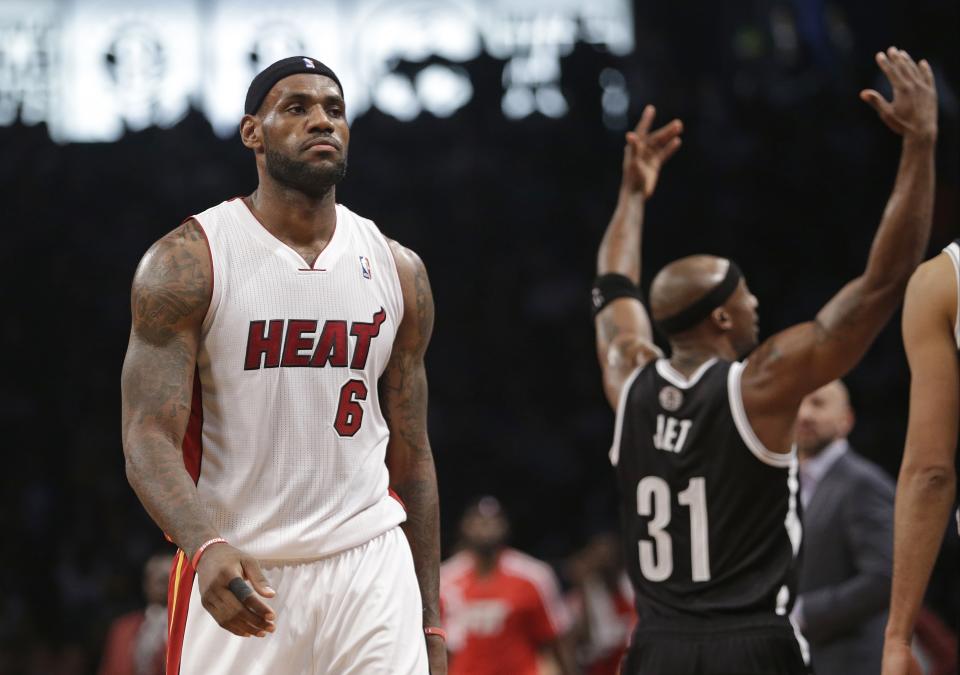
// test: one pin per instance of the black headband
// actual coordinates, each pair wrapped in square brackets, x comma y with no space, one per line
[292,65]
[689,317]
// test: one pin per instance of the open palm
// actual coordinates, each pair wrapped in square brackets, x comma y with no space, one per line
[913,109]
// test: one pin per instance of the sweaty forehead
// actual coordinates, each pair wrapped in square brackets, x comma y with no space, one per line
[319,86]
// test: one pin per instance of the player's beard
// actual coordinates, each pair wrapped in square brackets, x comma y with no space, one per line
[313,180]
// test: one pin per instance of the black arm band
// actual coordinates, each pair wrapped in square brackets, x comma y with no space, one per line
[609,287]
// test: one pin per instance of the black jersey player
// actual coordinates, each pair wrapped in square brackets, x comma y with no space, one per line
[703,445]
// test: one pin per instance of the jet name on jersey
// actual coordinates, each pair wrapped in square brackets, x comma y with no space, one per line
[671,433]
[296,343]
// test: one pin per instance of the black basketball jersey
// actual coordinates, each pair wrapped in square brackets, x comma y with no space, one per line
[709,515]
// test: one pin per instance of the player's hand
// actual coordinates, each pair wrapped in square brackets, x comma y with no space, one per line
[913,111]
[437,655]
[898,659]
[646,152]
[231,584]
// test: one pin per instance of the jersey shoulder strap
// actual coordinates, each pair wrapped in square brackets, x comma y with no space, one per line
[614,453]
[953,252]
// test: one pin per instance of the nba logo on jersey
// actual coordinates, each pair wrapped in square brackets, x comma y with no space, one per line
[365,267]
[308,63]
[670,398]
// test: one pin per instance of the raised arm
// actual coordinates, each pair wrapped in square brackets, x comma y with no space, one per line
[403,397]
[927,482]
[798,360]
[624,335]
[171,293]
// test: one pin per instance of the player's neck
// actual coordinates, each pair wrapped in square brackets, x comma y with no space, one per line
[292,215]
[689,354]
[485,562]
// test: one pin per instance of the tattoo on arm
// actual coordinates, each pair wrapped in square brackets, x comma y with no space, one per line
[607,329]
[403,392]
[798,360]
[170,295]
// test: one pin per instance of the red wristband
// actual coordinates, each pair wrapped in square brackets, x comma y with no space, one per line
[433,630]
[203,547]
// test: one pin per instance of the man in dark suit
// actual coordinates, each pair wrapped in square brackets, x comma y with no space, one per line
[844,585]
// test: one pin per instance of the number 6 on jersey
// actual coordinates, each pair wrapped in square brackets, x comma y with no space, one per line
[349,411]
[654,502]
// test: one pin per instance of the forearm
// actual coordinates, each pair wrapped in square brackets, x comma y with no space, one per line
[418,490]
[155,470]
[620,248]
[904,230]
[850,321]
[925,498]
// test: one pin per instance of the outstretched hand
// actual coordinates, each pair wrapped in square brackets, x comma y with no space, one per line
[647,151]
[913,111]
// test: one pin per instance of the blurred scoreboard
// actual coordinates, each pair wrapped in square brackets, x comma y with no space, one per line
[91,69]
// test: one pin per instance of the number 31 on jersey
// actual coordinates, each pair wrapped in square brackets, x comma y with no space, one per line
[654,502]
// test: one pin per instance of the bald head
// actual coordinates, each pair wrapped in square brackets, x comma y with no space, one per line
[837,391]
[703,301]
[683,282]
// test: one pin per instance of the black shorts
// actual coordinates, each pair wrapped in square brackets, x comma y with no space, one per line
[715,648]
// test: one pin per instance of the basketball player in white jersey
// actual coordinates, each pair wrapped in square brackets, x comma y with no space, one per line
[253,428]
[926,488]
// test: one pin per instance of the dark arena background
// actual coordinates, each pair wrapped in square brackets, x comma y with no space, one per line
[491,146]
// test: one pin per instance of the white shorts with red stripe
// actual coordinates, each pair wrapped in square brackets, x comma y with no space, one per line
[358,612]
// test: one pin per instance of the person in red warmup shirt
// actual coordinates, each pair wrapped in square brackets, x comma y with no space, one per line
[137,641]
[502,608]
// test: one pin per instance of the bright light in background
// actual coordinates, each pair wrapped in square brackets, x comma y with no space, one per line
[551,102]
[518,102]
[395,96]
[125,67]
[615,100]
[27,77]
[443,90]
[92,69]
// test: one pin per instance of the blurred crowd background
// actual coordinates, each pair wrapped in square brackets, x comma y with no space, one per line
[782,168]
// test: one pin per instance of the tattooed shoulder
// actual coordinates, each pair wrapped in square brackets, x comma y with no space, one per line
[172,284]
[767,353]
[417,294]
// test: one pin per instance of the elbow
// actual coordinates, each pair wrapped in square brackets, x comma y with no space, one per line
[131,468]
[930,478]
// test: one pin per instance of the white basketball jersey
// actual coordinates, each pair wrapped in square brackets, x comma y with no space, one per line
[287,440]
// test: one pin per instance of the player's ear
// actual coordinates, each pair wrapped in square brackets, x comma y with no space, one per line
[849,420]
[721,317]
[251,132]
